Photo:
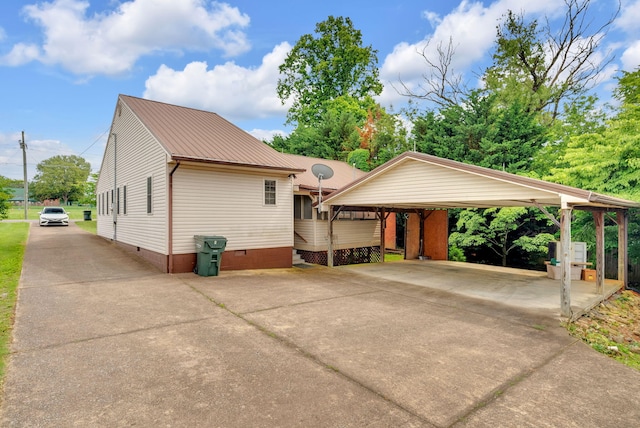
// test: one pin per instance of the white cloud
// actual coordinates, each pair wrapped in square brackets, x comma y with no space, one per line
[21,54]
[267,134]
[631,57]
[472,29]
[232,91]
[112,42]
[629,17]
[37,151]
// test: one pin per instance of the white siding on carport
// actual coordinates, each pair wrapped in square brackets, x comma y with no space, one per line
[416,183]
[224,202]
[138,156]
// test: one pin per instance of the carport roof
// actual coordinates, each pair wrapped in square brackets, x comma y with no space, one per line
[417,180]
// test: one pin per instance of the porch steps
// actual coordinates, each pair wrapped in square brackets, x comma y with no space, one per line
[297,259]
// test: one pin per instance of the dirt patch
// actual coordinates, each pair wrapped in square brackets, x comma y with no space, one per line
[613,328]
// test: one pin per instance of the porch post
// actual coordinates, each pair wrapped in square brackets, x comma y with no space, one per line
[622,217]
[383,226]
[565,261]
[330,238]
[598,217]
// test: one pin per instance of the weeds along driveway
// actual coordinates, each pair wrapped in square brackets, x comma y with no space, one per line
[103,339]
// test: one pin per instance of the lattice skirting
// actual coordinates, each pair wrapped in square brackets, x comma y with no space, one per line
[348,256]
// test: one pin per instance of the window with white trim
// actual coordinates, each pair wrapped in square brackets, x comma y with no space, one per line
[269,192]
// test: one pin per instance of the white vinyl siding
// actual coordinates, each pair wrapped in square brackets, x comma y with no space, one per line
[139,156]
[415,181]
[346,234]
[224,202]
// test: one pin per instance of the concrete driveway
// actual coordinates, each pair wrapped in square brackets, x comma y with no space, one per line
[103,339]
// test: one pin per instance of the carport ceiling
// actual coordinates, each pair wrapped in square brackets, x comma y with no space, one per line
[416,180]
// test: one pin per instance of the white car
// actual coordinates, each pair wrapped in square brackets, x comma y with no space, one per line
[50,216]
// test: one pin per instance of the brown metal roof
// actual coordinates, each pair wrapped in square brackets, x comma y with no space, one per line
[578,198]
[201,136]
[343,173]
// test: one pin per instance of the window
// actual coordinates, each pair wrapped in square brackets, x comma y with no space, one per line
[149,199]
[118,201]
[107,205]
[113,201]
[269,192]
[302,208]
[124,200]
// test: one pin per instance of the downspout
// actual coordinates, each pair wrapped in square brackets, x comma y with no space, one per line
[170,267]
[115,184]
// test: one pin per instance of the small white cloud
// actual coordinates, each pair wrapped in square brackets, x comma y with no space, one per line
[433,18]
[267,134]
[110,43]
[21,54]
[234,92]
[631,57]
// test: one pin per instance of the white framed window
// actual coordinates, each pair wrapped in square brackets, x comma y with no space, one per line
[269,192]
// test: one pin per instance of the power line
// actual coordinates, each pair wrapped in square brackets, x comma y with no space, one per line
[96,140]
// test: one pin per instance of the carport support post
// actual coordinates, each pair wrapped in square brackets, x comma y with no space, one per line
[565,263]
[622,218]
[598,218]
[383,227]
[330,238]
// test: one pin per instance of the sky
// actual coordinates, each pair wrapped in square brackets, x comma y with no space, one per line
[64,62]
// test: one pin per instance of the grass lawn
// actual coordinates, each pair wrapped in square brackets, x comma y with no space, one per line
[89,226]
[13,239]
[392,257]
[75,212]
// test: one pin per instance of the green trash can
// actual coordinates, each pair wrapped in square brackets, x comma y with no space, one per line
[87,215]
[209,251]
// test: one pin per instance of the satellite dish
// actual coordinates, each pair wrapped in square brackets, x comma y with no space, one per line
[323,172]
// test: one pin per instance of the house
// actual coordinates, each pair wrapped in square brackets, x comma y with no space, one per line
[170,173]
[356,234]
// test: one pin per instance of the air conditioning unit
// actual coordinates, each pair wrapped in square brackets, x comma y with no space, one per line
[578,251]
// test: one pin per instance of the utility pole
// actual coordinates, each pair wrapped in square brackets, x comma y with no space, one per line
[25,202]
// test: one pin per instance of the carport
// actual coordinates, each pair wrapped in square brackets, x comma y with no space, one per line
[414,182]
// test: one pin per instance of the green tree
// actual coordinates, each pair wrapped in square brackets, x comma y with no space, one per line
[61,177]
[5,195]
[500,230]
[607,160]
[320,68]
[540,67]
[89,195]
[481,132]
